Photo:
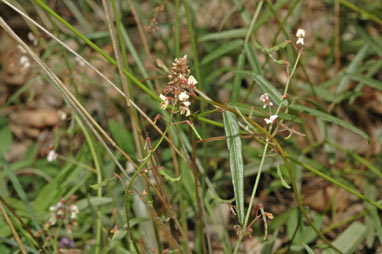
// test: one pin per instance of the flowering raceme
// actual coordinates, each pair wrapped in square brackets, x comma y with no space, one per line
[179,87]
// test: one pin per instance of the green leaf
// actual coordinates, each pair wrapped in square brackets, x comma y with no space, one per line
[94,201]
[19,189]
[350,239]
[265,85]
[329,118]
[168,177]
[284,183]
[103,183]
[259,112]
[307,248]
[252,59]
[5,135]
[373,83]
[273,49]
[237,80]
[372,221]
[236,160]
[121,136]
[269,51]
[353,66]
[229,34]
[222,50]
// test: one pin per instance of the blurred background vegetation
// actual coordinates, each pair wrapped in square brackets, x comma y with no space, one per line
[147,180]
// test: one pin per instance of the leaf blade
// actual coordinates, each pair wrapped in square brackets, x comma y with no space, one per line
[236,160]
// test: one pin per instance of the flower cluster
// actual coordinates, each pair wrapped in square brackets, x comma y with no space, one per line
[300,36]
[179,88]
[267,103]
[63,212]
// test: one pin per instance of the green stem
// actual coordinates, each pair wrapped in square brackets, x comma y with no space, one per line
[98,166]
[252,197]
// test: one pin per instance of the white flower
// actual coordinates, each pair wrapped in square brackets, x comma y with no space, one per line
[24,61]
[183,96]
[185,110]
[165,102]
[300,41]
[32,38]
[53,220]
[192,81]
[186,103]
[73,211]
[52,156]
[300,33]
[265,99]
[271,119]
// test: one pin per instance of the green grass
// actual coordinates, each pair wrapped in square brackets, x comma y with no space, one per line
[153,180]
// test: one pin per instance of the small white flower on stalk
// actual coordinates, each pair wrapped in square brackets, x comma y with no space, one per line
[192,81]
[73,211]
[165,102]
[271,119]
[33,39]
[300,35]
[24,61]
[187,103]
[184,110]
[52,156]
[53,219]
[183,96]
[265,99]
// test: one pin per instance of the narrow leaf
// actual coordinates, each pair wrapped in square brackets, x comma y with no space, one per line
[329,118]
[353,66]
[236,160]
[229,34]
[222,50]
[103,183]
[307,248]
[168,177]
[284,183]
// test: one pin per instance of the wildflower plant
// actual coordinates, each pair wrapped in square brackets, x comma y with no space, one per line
[151,186]
[179,88]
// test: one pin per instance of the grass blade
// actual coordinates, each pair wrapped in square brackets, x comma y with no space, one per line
[327,117]
[229,34]
[353,66]
[222,50]
[236,160]
[19,189]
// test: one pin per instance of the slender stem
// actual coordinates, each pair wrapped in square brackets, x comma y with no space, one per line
[198,202]
[15,235]
[98,166]
[252,197]
[177,28]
